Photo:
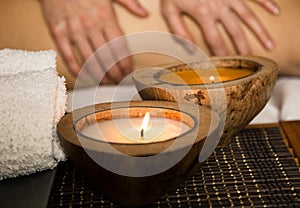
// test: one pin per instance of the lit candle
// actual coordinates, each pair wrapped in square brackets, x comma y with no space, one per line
[205,76]
[135,129]
[212,79]
[145,124]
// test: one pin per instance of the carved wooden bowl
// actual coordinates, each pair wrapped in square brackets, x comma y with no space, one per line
[100,160]
[237,101]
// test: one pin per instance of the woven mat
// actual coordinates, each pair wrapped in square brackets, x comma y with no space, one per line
[255,170]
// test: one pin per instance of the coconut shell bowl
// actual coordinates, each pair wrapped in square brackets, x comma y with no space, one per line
[133,166]
[236,87]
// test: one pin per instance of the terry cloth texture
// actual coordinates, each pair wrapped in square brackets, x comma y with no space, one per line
[33,99]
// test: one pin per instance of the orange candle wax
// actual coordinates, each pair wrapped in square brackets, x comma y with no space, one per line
[205,76]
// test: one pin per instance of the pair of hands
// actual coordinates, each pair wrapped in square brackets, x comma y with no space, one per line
[89,24]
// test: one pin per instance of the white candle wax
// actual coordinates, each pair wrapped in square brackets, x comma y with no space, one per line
[127,130]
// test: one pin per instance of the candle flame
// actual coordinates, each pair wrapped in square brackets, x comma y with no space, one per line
[145,124]
[212,79]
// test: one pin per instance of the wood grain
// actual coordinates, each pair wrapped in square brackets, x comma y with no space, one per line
[291,131]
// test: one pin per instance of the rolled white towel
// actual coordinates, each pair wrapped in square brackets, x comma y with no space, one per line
[33,99]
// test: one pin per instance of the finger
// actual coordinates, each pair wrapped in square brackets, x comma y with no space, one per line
[65,47]
[71,60]
[177,27]
[108,61]
[95,40]
[210,31]
[95,69]
[117,66]
[254,24]
[80,40]
[119,52]
[270,5]
[122,54]
[104,59]
[58,25]
[134,6]
[236,33]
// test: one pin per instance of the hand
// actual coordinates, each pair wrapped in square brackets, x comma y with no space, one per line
[86,25]
[207,13]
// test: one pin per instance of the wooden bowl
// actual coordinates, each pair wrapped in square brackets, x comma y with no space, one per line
[236,101]
[137,173]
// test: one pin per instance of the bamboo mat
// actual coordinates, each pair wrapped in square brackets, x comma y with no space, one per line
[255,170]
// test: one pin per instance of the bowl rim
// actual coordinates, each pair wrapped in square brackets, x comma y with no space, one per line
[66,129]
[265,66]
[195,122]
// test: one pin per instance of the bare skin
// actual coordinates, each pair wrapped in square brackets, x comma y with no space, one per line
[283,30]
[87,25]
[208,13]
[276,37]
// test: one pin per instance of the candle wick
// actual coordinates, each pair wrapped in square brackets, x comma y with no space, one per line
[142,134]
[212,79]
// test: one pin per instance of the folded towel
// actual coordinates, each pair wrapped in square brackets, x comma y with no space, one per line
[33,99]
[288,89]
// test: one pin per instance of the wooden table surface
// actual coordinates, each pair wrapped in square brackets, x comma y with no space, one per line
[291,133]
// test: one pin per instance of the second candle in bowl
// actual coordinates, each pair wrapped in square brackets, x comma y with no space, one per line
[236,87]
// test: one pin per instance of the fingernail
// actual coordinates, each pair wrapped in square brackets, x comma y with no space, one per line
[269,45]
[142,11]
[190,47]
[276,10]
